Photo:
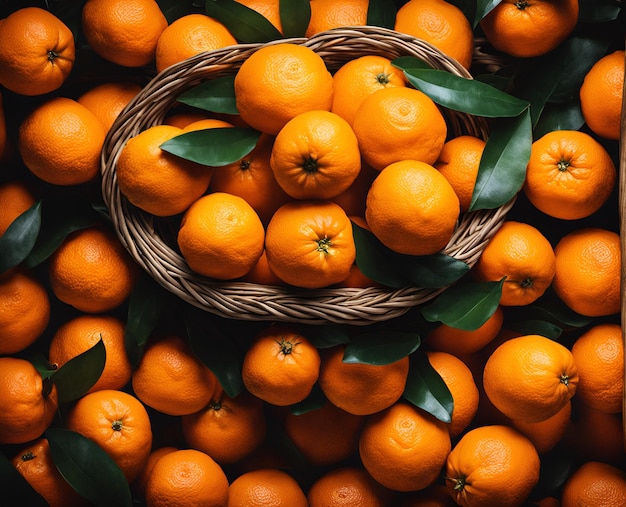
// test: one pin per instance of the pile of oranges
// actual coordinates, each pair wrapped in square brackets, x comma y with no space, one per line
[114,392]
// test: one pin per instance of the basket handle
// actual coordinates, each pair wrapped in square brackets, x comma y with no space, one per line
[622,212]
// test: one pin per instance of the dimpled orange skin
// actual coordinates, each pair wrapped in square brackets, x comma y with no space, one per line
[266,486]
[328,14]
[595,483]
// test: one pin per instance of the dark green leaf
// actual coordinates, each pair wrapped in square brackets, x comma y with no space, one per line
[215,95]
[540,327]
[174,9]
[324,337]
[42,365]
[88,468]
[503,164]
[495,80]
[381,13]
[80,373]
[432,271]
[556,466]
[381,348]
[598,11]
[214,147]
[465,306]
[426,389]
[244,23]
[566,116]
[560,314]
[484,7]
[20,237]
[294,17]
[410,62]
[16,491]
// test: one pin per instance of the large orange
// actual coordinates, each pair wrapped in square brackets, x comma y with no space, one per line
[348,486]
[546,434]
[139,484]
[36,51]
[595,483]
[16,197]
[268,486]
[328,14]
[107,100]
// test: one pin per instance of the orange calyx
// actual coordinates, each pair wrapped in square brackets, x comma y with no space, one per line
[286,346]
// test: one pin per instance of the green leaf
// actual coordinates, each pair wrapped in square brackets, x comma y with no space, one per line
[484,7]
[380,348]
[214,147]
[15,489]
[503,164]
[245,24]
[215,95]
[426,389]
[432,271]
[556,467]
[381,13]
[80,373]
[324,337]
[465,306]
[558,313]
[410,62]
[294,17]
[540,327]
[19,238]
[88,469]
[598,11]
[566,116]
[174,9]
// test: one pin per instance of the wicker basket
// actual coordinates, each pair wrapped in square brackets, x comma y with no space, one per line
[156,251]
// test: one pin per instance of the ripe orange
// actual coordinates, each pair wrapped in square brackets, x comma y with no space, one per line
[601,95]
[547,433]
[171,185]
[348,486]
[544,373]
[80,333]
[411,208]
[492,466]
[271,487]
[124,32]
[186,477]
[315,156]
[327,14]
[595,483]
[587,275]
[261,273]
[441,24]
[206,123]
[434,495]
[3,131]
[24,310]
[570,175]
[281,366]
[528,29]
[91,270]
[360,388]
[269,9]
[522,254]
[353,199]
[141,481]
[36,51]
[28,403]
[16,197]
[403,447]
[309,244]
[107,100]
[60,142]
[221,236]
[280,81]
[399,123]
[189,386]
[181,118]
[188,36]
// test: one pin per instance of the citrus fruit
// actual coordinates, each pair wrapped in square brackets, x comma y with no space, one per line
[16,196]
[269,9]
[328,14]
[595,483]
[107,100]
[546,434]
[139,483]
[348,486]
[270,487]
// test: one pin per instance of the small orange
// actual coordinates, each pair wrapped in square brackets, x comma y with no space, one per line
[261,273]
[188,36]
[269,9]
[328,14]
[309,244]
[281,366]
[139,483]
[36,51]
[348,486]
[595,483]
[268,487]
[16,197]
[206,123]
[492,466]
[545,377]
[181,118]
[353,199]
[588,263]
[522,254]
[434,495]
[280,81]
[360,388]
[546,434]
[411,208]
[107,100]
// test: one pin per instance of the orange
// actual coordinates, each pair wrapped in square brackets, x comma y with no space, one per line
[570,175]
[411,208]
[281,366]
[261,273]
[80,333]
[206,123]
[526,29]
[16,197]
[523,255]
[3,131]
[36,51]
[315,156]
[587,275]
[309,244]
[434,495]
[595,483]
[180,119]
[34,463]
[530,378]
[492,466]
[140,482]
[227,429]
[188,36]
[171,185]
[280,81]
[459,161]
[599,357]
[459,379]
[547,433]
[124,32]
[399,123]
[348,487]
[441,24]
[353,199]
[24,310]
[107,100]
[269,9]
[268,487]
[328,14]
[91,270]
[28,403]
[171,379]
[186,477]
[119,423]
[601,95]
[326,435]
[360,388]
[60,142]
[221,236]
[403,447]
